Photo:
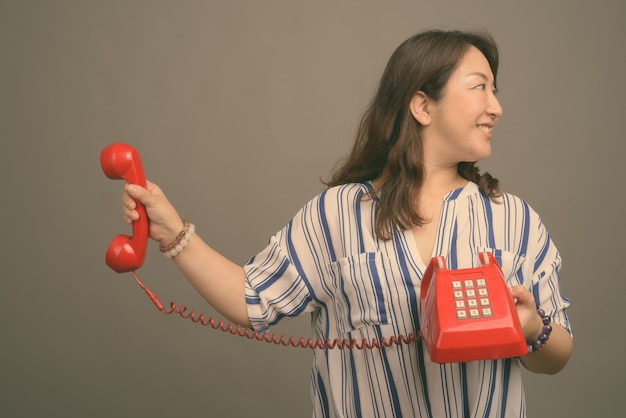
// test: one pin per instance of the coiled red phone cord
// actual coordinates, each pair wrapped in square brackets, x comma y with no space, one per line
[273,338]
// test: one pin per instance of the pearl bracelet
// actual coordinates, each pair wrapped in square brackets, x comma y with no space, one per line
[180,242]
[545,332]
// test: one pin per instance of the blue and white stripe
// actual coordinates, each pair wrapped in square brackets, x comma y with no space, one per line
[328,262]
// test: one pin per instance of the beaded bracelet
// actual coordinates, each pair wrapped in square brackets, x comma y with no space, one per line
[545,332]
[182,239]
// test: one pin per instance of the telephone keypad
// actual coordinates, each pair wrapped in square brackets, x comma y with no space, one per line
[471,299]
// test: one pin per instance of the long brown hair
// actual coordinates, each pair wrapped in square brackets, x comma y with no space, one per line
[388,143]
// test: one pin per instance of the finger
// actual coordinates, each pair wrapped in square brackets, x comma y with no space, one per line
[128,202]
[139,193]
[522,296]
[518,291]
[153,188]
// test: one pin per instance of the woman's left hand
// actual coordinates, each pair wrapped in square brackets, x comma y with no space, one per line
[527,312]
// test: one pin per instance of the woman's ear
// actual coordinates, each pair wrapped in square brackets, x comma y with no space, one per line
[419,108]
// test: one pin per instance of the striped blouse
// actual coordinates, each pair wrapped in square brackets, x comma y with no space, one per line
[327,261]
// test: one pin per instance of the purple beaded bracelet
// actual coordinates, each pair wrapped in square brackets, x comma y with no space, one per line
[545,332]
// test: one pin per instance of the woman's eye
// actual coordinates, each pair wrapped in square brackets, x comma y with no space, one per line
[481,86]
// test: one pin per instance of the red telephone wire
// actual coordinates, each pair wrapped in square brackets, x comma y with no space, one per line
[273,338]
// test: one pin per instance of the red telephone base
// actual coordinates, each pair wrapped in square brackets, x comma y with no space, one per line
[469,314]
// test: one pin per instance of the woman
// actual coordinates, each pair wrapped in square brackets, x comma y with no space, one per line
[354,256]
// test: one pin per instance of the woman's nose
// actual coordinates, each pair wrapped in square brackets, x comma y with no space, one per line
[495,108]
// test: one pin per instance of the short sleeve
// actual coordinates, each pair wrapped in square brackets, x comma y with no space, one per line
[282,280]
[546,280]
[275,287]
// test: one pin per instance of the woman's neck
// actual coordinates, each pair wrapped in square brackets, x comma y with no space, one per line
[440,181]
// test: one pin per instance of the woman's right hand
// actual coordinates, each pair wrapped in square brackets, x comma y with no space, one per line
[220,281]
[165,223]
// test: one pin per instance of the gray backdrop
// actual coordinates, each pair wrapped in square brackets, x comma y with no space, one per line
[238,108]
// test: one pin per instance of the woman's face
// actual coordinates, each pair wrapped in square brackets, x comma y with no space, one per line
[461,123]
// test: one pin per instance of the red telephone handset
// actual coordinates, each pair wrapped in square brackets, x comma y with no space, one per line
[126,253]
